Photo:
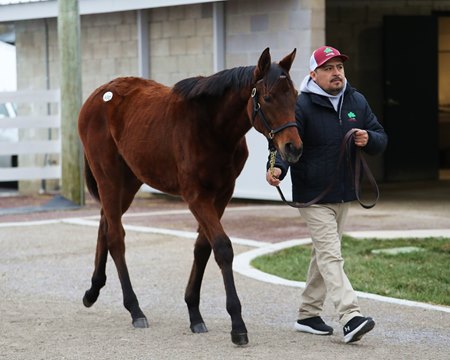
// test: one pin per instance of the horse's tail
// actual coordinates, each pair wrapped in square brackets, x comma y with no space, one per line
[91,183]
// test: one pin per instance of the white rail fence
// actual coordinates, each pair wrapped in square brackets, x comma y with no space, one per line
[36,103]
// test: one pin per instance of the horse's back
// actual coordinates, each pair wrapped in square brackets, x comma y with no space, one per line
[113,99]
[120,88]
[126,86]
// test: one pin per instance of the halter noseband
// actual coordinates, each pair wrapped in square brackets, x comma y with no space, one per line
[257,110]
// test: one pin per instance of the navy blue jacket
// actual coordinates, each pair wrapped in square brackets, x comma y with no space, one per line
[322,130]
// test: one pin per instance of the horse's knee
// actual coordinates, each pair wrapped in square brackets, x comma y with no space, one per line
[202,251]
[223,251]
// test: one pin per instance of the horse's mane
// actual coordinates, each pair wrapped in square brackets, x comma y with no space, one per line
[216,84]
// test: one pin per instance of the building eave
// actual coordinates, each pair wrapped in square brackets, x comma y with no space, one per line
[49,9]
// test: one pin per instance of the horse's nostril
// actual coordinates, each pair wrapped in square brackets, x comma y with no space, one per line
[291,149]
[292,152]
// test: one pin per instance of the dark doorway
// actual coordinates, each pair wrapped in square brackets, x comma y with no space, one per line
[444,95]
[410,57]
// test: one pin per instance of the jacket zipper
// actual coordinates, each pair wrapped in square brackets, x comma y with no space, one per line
[341,102]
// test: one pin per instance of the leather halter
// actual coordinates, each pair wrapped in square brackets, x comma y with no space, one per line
[257,110]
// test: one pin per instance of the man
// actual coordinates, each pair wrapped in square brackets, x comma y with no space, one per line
[327,108]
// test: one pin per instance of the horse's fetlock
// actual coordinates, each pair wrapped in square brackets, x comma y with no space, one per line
[99,281]
[192,300]
[234,308]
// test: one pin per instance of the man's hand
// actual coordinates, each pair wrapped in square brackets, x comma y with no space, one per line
[272,177]
[361,138]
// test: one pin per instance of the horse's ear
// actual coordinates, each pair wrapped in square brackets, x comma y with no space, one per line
[263,65]
[288,60]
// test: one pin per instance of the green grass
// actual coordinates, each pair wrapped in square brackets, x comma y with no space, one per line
[420,276]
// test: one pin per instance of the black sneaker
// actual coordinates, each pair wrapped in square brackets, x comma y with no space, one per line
[314,325]
[357,327]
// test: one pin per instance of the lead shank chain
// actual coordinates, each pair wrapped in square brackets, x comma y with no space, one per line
[273,155]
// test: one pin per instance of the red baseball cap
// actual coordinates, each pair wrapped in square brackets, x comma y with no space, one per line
[321,55]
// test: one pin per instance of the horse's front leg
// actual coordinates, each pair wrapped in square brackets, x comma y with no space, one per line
[202,252]
[223,253]
[209,219]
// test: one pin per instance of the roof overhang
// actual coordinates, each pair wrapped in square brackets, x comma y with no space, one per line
[49,9]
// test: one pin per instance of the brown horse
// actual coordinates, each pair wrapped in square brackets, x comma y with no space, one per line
[189,141]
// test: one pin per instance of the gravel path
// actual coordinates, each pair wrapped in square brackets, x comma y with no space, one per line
[45,269]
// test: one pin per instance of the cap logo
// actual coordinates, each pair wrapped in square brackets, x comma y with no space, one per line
[328,52]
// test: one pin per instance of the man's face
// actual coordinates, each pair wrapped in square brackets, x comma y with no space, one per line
[330,76]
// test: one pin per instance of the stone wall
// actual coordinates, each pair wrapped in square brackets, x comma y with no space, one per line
[180,42]
[251,26]
[108,48]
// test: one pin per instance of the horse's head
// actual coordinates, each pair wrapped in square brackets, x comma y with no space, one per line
[272,105]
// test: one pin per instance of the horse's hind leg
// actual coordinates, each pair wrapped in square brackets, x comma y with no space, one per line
[101,255]
[202,251]
[116,197]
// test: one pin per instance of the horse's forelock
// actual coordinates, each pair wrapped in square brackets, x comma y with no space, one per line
[216,84]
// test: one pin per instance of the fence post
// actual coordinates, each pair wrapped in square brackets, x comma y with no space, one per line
[72,183]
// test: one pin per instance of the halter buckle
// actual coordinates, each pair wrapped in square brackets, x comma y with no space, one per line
[253,92]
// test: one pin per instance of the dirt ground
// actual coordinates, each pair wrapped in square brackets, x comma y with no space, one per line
[46,260]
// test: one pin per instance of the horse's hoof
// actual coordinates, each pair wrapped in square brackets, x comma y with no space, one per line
[239,338]
[140,323]
[86,302]
[199,328]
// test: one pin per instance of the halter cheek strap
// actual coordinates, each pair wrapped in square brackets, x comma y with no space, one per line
[257,110]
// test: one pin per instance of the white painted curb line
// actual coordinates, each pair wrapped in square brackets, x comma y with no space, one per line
[241,263]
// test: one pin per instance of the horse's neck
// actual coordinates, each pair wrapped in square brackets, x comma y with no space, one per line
[232,119]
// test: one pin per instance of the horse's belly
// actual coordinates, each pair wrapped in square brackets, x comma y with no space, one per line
[155,171]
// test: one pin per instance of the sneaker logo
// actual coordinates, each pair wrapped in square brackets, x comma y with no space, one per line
[346,328]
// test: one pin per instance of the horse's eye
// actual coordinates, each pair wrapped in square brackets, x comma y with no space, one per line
[267,98]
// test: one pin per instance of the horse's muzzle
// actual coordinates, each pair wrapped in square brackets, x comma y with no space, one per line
[292,153]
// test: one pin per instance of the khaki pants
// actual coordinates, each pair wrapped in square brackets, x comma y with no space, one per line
[326,274]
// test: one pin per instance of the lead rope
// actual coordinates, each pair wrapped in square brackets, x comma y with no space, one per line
[359,160]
